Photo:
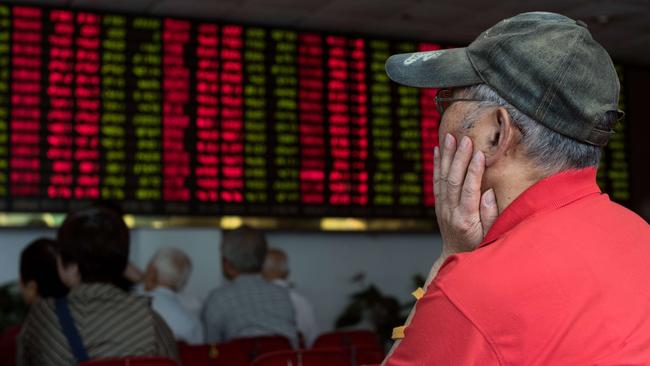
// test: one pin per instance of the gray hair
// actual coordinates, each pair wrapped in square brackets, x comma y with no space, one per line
[245,249]
[276,262]
[551,151]
[173,267]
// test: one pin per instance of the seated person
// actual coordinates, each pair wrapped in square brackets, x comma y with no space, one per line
[248,305]
[166,275]
[132,274]
[38,279]
[276,270]
[96,319]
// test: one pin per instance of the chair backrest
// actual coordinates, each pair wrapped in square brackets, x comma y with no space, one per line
[364,355]
[8,345]
[237,352]
[256,346]
[347,338]
[310,357]
[198,355]
[131,361]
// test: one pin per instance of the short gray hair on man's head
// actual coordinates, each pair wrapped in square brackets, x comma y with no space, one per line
[173,267]
[276,260]
[551,151]
[245,249]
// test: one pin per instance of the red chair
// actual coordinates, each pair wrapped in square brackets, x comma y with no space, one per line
[310,357]
[8,345]
[361,346]
[199,355]
[347,338]
[237,352]
[254,347]
[364,355]
[361,355]
[131,361]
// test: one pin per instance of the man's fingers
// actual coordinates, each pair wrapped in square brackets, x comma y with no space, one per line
[436,172]
[489,210]
[457,171]
[446,156]
[470,196]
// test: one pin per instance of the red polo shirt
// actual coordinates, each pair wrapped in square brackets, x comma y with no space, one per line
[562,278]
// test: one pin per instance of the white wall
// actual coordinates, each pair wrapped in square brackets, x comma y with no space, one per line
[321,263]
[12,243]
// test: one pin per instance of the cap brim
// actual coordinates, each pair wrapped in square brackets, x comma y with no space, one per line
[433,69]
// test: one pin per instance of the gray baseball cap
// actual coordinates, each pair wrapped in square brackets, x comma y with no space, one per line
[546,65]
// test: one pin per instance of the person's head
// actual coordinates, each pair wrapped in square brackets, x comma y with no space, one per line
[514,144]
[170,268]
[243,251]
[94,247]
[38,271]
[276,265]
[537,95]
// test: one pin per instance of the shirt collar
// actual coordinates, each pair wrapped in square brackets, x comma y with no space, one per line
[248,277]
[163,291]
[96,290]
[549,193]
[282,283]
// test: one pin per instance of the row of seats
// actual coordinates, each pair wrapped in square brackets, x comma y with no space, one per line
[349,348]
[311,357]
[359,347]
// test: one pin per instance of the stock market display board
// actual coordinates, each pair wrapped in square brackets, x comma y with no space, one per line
[187,117]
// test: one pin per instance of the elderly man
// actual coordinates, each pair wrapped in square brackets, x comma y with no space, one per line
[166,275]
[276,270]
[538,267]
[248,305]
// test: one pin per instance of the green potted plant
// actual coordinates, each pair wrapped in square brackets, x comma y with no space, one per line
[383,312]
[12,307]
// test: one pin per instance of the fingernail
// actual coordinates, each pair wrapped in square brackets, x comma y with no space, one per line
[435,152]
[449,141]
[477,156]
[489,199]
[464,144]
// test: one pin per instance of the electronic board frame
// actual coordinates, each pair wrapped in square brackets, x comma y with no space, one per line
[232,219]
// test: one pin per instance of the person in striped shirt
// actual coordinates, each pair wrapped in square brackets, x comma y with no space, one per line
[108,321]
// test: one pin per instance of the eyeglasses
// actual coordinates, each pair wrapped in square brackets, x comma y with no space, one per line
[444,100]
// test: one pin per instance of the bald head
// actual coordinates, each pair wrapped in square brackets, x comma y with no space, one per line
[276,265]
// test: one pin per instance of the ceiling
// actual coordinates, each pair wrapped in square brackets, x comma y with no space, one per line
[622,26]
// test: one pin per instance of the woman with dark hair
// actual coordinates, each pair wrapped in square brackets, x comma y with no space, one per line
[94,247]
[38,280]
[38,271]
[97,319]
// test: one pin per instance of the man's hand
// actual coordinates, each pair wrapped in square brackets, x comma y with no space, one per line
[464,215]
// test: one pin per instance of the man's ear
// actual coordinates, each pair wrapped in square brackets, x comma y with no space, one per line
[228,269]
[68,273]
[29,291]
[150,280]
[503,136]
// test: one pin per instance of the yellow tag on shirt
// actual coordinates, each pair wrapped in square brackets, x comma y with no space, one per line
[398,332]
[418,293]
[213,352]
